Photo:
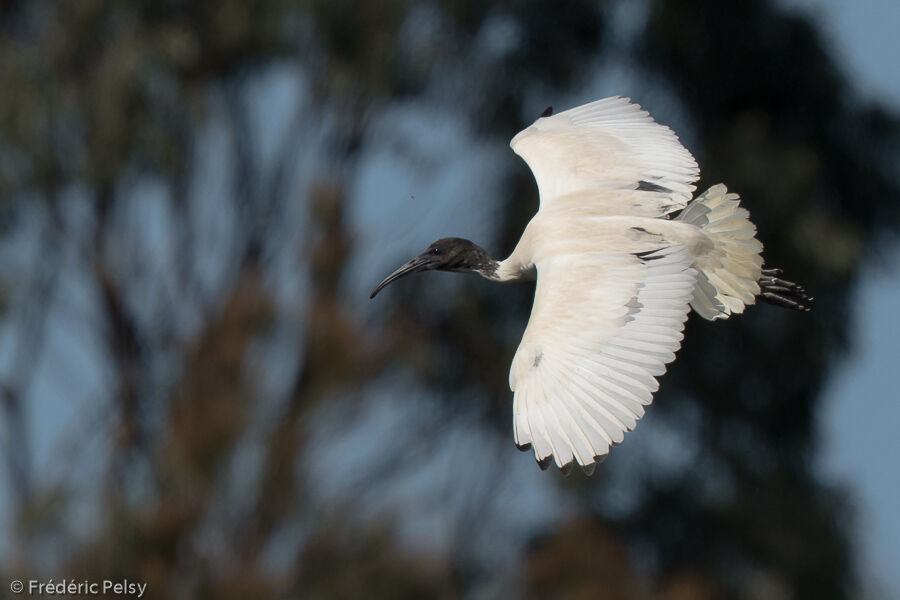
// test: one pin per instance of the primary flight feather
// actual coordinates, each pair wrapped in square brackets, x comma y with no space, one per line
[616,274]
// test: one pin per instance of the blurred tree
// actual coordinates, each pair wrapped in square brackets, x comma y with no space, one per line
[205,492]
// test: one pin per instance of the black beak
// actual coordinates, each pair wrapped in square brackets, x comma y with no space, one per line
[423,262]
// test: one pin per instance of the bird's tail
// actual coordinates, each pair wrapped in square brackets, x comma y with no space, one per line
[728,275]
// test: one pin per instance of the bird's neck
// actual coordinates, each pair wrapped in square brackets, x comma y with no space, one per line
[510,270]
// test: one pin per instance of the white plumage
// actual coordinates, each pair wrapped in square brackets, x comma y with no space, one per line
[615,278]
[585,368]
[609,145]
[616,275]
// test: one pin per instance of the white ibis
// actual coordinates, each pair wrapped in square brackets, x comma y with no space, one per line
[621,254]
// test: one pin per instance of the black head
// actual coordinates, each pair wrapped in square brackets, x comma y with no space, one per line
[448,254]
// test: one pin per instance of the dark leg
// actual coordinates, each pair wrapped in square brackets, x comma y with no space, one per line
[781,292]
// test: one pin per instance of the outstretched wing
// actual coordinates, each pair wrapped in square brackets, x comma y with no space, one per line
[602,328]
[610,146]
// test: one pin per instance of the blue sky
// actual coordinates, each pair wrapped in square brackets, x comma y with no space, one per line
[861,409]
[862,412]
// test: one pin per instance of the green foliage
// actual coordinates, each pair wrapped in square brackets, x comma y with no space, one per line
[99,94]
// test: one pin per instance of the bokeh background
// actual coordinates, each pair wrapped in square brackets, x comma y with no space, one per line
[195,391]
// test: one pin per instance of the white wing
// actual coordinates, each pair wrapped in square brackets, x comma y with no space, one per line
[609,145]
[602,328]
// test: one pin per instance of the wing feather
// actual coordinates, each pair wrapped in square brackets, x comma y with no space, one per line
[603,327]
[614,151]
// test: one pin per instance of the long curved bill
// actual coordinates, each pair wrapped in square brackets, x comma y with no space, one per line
[419,263]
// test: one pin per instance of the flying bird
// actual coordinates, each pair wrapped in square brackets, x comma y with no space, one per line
[621,254]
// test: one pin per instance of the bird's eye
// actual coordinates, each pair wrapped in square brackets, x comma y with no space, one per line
[436,251]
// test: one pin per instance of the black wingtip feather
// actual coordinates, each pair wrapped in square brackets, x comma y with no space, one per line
[649,186]
[547,112]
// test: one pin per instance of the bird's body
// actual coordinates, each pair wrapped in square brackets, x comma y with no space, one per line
[616,274]
[553,233]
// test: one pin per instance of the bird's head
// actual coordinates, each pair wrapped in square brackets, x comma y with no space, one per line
[447,254]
